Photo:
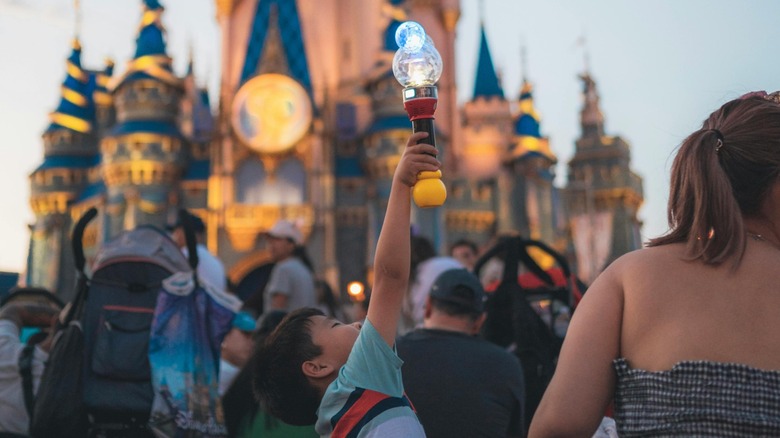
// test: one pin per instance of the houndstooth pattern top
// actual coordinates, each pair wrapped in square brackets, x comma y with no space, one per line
[697,399]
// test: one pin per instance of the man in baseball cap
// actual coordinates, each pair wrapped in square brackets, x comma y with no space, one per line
[461,385]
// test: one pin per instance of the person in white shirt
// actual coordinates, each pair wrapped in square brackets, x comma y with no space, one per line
[291,285]
[14,316]
[210,269]
[426,267]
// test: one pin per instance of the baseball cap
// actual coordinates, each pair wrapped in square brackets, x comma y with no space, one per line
[286,230]
[459,286]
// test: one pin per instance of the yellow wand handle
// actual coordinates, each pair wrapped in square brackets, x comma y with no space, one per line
[429,191]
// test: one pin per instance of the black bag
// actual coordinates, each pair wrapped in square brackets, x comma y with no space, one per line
[118,314]
[513,323]
[58,408]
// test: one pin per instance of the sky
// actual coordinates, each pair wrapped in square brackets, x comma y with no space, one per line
[662,66]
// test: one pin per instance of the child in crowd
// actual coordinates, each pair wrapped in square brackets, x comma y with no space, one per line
[344,377]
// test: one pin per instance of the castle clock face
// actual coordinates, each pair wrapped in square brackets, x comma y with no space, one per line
[271,113]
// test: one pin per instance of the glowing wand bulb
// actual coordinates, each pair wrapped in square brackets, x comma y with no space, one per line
[417,66]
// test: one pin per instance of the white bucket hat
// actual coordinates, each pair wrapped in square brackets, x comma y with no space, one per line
[286,230]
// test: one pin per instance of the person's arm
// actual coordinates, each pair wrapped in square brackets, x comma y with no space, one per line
[393,249]
[584,380]
[28,315]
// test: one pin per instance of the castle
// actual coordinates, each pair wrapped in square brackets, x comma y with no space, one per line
[309,126]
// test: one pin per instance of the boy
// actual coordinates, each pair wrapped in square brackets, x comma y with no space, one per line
[344,378]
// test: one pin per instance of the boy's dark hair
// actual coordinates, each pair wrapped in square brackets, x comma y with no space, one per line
[279,381]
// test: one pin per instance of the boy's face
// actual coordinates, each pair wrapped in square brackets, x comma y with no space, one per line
[335,338]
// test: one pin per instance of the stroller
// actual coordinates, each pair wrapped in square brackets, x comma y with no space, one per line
[528,314]
[149,348]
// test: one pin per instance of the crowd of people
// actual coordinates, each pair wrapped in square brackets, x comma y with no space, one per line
[676,339]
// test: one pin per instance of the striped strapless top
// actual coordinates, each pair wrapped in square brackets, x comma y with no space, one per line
[697,398]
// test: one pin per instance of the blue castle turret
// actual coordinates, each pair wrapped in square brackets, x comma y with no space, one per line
[480,203]
[486,82]
[70,157]
[145,154]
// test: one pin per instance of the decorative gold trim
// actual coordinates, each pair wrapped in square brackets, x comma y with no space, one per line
[150,207]
[247,264]
[51,202]
[76,72]
[151,65]
[351,216]
[143,172]
[102,98]
[69,176]
[195,185]
[470,220]
[243,223]
[73,97]
[71,122]
[103,80]
[138,142]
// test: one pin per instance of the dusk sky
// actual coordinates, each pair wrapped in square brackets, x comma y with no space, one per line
[661,67]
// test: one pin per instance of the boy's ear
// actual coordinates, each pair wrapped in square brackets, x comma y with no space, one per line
[315,369]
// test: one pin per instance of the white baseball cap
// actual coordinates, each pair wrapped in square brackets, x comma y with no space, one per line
[286,230]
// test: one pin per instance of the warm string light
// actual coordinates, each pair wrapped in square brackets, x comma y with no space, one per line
[356,290]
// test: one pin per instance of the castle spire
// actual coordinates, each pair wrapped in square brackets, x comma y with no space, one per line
[75,110]
[486,83]
[151,59]
[591,117]
[395,12]
[528,134]
[191,60]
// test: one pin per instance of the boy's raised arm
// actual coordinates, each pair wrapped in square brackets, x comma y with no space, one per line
[393,250]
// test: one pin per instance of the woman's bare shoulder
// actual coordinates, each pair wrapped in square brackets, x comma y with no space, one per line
[650,259]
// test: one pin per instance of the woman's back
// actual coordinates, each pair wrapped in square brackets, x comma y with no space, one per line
[675,311]
[698,345]
[688,326]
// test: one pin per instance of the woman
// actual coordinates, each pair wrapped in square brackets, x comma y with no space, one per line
[291,285]
[683,334]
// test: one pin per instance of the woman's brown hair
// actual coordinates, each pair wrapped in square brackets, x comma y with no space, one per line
[721,173]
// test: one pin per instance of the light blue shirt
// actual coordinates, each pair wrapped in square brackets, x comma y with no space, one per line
[372,365]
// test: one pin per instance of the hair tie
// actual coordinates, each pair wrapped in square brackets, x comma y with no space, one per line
[719,136]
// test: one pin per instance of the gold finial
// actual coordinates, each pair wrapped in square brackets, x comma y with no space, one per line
[224,8]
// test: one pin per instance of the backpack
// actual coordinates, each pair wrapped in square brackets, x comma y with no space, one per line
[58,408]
[523,319]
[141,288]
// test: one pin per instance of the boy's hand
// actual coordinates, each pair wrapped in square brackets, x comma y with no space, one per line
[415,159]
